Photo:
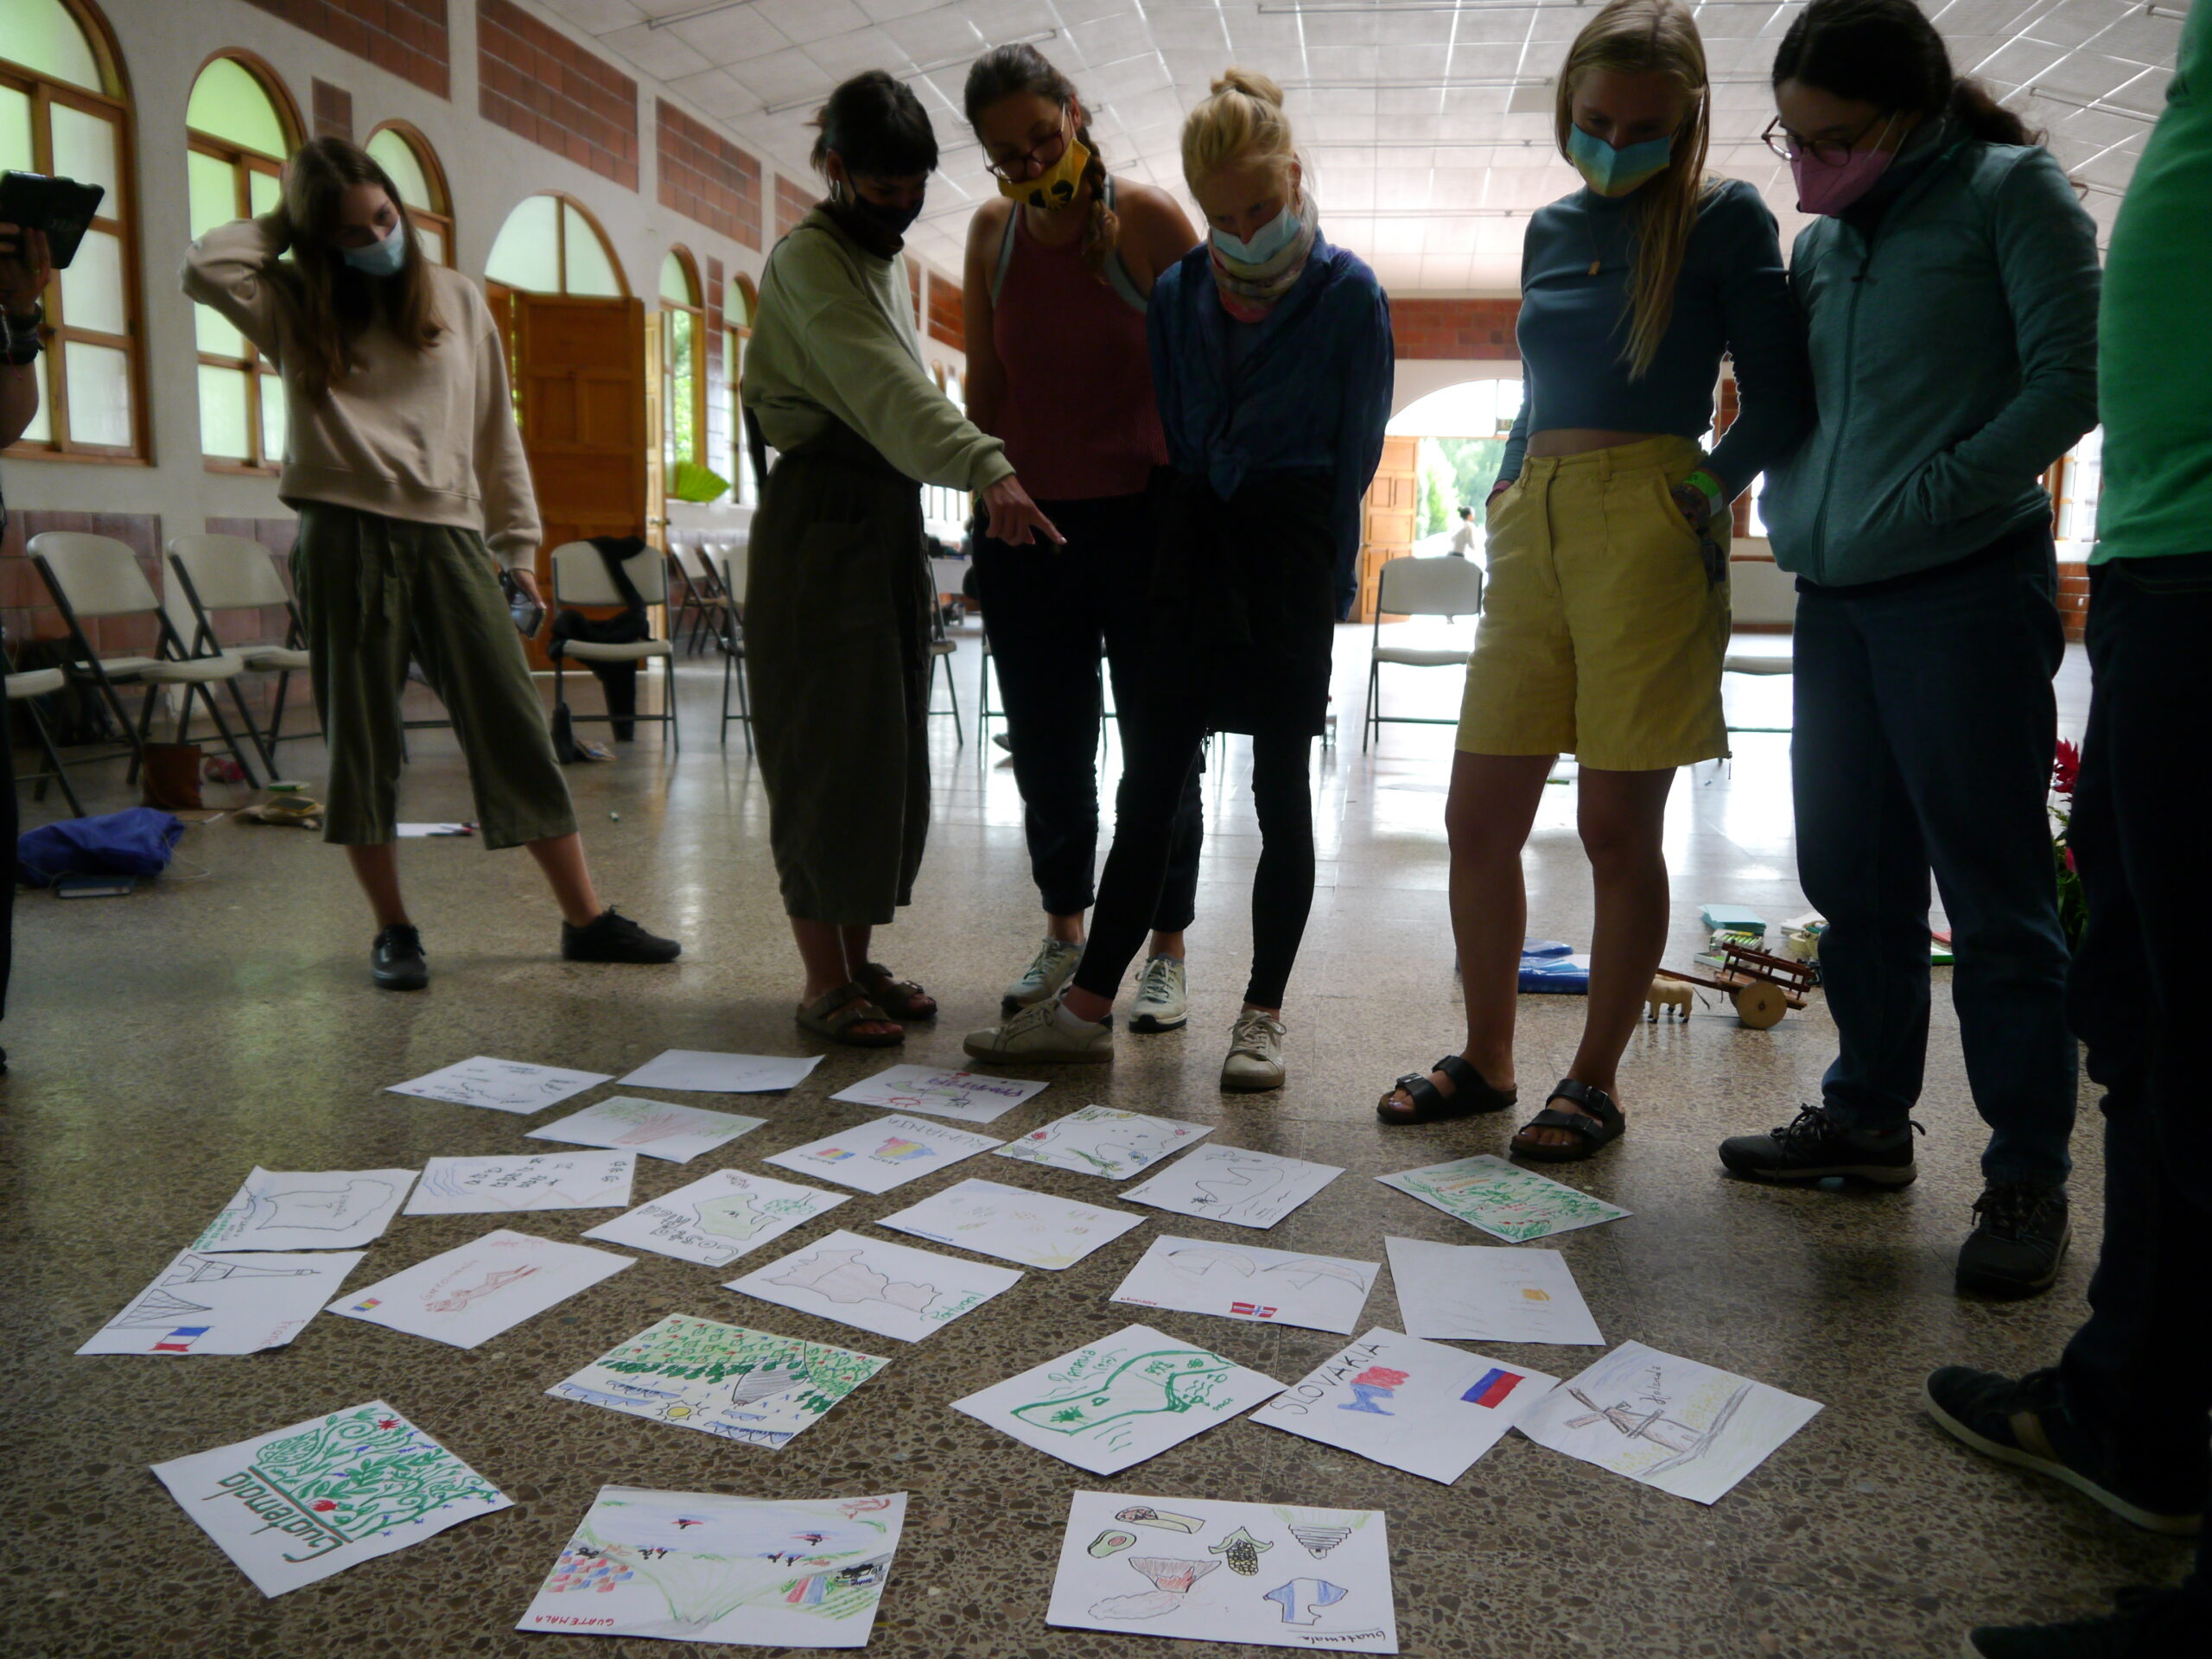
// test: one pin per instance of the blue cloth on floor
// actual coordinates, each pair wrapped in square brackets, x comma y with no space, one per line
[1568,975]
[139,842]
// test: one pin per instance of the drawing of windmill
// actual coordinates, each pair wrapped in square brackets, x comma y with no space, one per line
[1688,1442]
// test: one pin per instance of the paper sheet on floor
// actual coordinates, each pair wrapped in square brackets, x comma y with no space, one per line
[502,1085]
[890,1289]
[883,1152]
[1275,1575]
[297,1505]
[1502,1200]
[722,1379]
[1242,1281]
[744,1572]
[1012,1222]
[705,1072]
[1101,1141]
[426,831]
[969,1096]
[1413,1405]
[659,1129]
[202,1304]
[509,1183]
[1231,1184]
[469,1295]
[1487,1292]
[307,1209]
[1669,1422]
[719,1218]
[1112,1403]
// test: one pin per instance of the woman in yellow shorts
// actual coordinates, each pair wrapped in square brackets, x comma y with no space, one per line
[1607,615]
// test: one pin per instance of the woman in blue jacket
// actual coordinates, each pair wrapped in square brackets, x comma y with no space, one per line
[1950,294]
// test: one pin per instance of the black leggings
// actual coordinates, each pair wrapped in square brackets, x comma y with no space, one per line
[1158,757]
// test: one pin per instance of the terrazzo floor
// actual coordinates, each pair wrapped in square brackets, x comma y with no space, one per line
[165,1044]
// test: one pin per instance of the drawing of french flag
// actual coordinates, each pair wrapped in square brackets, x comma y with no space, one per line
[179,1340]
[1493,1388]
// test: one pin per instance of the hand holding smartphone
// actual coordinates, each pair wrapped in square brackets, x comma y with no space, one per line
[61,210]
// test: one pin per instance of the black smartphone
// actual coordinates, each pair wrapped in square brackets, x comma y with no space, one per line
[62,208]
[528,614]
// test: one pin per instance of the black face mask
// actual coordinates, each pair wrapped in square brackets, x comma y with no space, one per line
[893,222]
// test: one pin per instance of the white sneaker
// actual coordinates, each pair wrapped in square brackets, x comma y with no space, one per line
[1161,1003]
[1255,1061]
[1055,965]
[1038,1034]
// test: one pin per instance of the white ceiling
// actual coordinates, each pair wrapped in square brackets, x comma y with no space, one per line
[1427,121]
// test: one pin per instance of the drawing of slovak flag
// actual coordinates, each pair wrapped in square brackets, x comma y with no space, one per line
[202,1304]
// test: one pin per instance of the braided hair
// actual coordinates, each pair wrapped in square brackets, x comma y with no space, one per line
[1007,71]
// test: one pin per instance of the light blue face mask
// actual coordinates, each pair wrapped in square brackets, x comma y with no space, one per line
[1270,239]
[1612,172]
[380,259]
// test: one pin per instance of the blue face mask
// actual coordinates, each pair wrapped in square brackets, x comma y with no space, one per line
[382,258]
[1267,242]
[1612,172]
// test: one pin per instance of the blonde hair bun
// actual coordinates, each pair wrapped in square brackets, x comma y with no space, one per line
[1242,120]
[1250,82]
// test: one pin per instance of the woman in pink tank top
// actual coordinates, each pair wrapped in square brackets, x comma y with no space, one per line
[1059,269]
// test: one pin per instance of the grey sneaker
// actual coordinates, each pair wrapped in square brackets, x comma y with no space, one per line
[1161,1004]
[1054,966]
[1035,1036]
[1255,1061]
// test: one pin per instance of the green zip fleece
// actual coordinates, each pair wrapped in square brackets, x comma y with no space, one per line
[1955,357]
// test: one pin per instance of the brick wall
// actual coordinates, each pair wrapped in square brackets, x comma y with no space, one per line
[541,85]
[408,37]
[914,285]
[332,114]
[705,177]
[28,611]
[948,323]
[272,622]
[793,202]
[2074,599]
[1480,329]
[718,411]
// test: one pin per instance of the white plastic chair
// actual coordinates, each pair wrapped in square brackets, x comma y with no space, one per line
[22,687]
[93,577]
[732,574]
[229,573]
[1762,664]
[1437,587]
[580,577]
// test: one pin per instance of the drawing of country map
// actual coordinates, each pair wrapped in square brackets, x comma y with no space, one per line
[886,1288]
[1505,1201]
[297,1505]
[700,1567]
[722,1379]
[718,1218]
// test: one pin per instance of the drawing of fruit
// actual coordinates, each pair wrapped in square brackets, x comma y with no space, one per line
[1242,1551]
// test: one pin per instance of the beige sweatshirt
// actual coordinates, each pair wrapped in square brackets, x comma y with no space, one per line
[426,436]
[835,338]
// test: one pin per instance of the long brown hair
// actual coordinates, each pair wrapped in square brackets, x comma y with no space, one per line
[1005,71]
[1887,53]
[330,305]
[1637,37]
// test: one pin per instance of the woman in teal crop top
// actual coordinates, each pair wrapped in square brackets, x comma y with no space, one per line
[1606,617]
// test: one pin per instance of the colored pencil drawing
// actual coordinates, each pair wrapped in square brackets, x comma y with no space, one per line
[1502,1200]
[883,1153]
[718,1218]
[1101,1141]
[203,1304]
[1232,1185]
[501,1085]
[506,1184]
[323,1210]
[970,1097]
[657,1128]
[1190,1275]
[1035,1229]
[886,1288]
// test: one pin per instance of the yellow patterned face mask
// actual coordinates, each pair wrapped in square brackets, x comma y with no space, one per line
[1057,185]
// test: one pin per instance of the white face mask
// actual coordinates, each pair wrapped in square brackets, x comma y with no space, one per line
[380,258]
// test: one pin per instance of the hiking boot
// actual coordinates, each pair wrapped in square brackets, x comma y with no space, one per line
[1814,1145]
[610,937]
[1040,1035]
[395,959]
[1254,1062]
[2020,1420]
[1055,964]
[2145,1623]
[1162,1003]
[2018,1239]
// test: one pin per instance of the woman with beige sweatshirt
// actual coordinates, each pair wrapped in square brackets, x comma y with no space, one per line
[402,459]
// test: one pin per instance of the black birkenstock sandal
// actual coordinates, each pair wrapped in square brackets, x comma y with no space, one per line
[1471,1095]
[1595,1123]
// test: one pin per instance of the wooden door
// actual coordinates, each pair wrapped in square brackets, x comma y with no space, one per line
[580,382]
[1389,519]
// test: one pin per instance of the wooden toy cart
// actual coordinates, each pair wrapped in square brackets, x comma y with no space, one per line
[1764,987]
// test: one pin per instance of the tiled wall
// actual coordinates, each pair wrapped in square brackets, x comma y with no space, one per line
[1477,329]
[541,85]
[948,323]
[332,114]
[407,37]
[705,177]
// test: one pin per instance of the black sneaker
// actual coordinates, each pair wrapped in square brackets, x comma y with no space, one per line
[611,936]
[2145,1623]
[1815,1146]
[2012,1420]
[2018,1239]
[395,959]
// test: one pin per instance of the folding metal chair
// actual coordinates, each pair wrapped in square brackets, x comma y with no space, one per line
[25,687]
[732,639]
[1447,585]
[229,573]
[580,577]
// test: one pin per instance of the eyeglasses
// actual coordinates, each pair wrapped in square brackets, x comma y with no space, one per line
[1828,152]
[1032,161]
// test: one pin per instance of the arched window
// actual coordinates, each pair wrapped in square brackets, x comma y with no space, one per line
[65,111]
[737,328]
[240,125]
[683,383]
[406,156]
[550,245]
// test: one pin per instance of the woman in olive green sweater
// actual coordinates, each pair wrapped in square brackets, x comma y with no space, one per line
[838,599]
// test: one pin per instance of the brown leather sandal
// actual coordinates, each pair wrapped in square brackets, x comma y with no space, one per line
[902,998]
[834,1013]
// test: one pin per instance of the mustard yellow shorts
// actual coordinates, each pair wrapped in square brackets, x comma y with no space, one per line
[1600,636]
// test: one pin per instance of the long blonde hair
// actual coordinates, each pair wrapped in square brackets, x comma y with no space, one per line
[1241,119]
[1637,37]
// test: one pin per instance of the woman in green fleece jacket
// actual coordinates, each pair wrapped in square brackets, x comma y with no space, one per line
[1950,294]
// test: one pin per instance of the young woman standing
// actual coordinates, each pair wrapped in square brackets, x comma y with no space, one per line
[837,597]
[1951,288]
[1271,357]
[401,458]
[1060,267]
[1606,616]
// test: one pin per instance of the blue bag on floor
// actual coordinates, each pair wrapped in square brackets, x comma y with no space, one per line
[1568,975]
[139,842]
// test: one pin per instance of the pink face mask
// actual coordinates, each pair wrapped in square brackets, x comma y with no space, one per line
[1825,189]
